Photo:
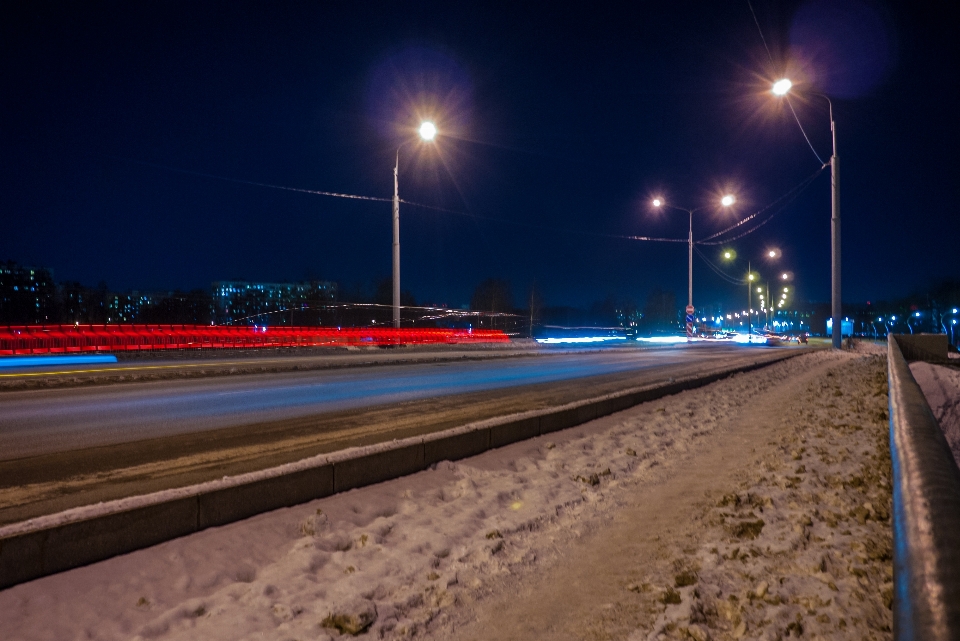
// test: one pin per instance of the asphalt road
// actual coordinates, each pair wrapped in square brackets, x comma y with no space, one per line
[45,422]
[65,447]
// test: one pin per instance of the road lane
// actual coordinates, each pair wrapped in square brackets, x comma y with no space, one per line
[162,435]
[44,422]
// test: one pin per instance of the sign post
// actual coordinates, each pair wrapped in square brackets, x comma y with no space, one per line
[690,321]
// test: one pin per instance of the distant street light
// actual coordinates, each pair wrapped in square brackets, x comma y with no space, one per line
[726,201]
[428,131]
[781,88]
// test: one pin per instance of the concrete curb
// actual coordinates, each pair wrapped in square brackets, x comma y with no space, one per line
[58,542]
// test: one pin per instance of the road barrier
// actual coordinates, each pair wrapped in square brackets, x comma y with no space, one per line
[926,513]
[71,339]
[70,539]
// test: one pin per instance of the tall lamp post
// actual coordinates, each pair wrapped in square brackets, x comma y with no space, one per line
[781,88]
[726,201]
[750,280]
[428,131]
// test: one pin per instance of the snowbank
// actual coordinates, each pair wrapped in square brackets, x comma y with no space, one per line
[396,559]
[941,387]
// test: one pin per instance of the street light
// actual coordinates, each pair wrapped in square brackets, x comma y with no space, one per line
[428,131]
[726,201]
[781,88]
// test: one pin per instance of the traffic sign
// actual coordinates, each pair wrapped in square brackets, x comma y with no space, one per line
[690,310]
[690,319]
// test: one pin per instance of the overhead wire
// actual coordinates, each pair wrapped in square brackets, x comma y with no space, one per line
[790,196]
[542,227]
[805,137]
[718,270]
[760,31]
[770,56]
[315,192]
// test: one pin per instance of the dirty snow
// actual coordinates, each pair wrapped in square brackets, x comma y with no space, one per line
[941,388]
[397,559]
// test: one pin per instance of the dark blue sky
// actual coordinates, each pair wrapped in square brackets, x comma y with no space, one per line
[562,122]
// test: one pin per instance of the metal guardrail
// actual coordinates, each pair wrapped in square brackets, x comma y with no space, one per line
[926,514]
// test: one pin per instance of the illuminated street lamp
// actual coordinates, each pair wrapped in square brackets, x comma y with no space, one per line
[726,201]
[781,88]
[428,131]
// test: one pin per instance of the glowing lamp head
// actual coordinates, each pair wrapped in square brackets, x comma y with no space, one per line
[772,254]
[750,276]
[727,200]
[727,255]
[785,276]
[428,130]
[657,202]
[781,87]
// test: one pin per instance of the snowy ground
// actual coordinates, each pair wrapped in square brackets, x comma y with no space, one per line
[756,507]
[941,387]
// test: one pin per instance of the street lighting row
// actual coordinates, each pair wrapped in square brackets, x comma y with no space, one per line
[726,201]
[781,88]
[428,132]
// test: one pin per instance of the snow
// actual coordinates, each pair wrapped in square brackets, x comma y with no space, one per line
[941,388]
[394,559]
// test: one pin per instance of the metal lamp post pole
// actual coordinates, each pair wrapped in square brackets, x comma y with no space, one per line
[769,307]
[749,303]
[781,88]
[835,234]
[396,242]
[690,262]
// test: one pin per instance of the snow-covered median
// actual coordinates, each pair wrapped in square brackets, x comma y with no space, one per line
[428,555]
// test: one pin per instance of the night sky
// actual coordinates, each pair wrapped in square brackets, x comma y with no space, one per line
[559,122]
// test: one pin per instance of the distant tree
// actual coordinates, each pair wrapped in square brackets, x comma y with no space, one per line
[492,295]
[180,308]
[660,310]
[384,294]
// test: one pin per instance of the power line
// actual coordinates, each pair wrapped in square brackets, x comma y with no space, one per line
[718,270]
[790,196]
[315,192]
[805,137]
[760,31]
[770,55]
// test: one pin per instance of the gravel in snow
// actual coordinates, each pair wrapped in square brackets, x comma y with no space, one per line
[801,545]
